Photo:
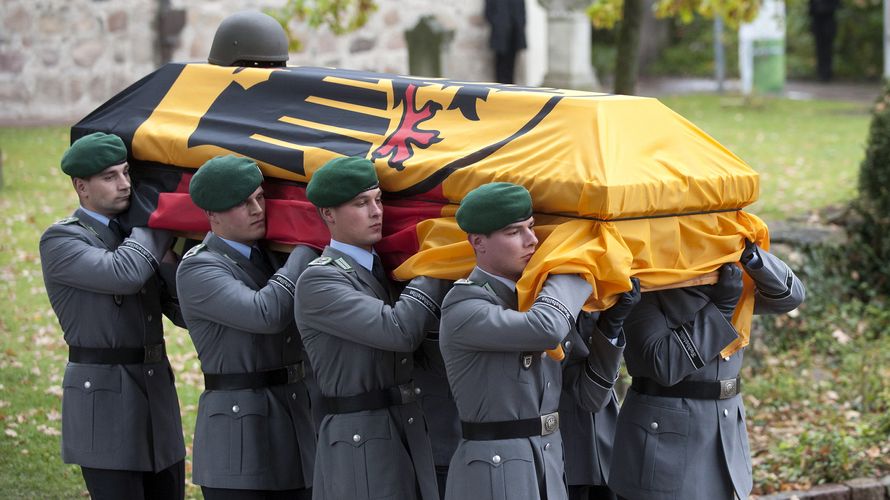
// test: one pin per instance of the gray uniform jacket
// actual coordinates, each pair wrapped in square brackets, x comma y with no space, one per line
[359,340]
[106,295]
[241,320]
[680,448]
[587,436]
[495,359]
[436,400]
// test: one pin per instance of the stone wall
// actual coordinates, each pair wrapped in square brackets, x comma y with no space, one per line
[378,46]
[60,59]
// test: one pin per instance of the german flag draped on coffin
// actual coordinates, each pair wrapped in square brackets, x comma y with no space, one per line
[622,186]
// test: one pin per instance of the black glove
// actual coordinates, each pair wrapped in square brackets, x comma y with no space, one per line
[751,256]
[611,321]
[726,292]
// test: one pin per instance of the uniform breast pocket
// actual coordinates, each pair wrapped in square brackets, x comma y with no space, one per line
[365,460]
[518,366]
[236,437]
[91,407]
[653,440]
[500,470]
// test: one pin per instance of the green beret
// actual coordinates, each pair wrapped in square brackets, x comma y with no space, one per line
[493,206]
[340,180]
[224,181]
[92,154]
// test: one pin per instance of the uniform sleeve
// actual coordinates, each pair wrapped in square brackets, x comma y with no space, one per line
[592,368]
[328,302]
[209,291]
[778,290]
[475,322]
[69,258]
[670,353]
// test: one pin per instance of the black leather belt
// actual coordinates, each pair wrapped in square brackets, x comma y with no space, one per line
[511,429]
[372,400]
[154,353]
[692,389]
[290,374]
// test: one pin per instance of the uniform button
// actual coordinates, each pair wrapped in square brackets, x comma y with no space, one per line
[87,384]
[288,340]
[725,412]
[726,358]
[236,409]
[293,395]
[410,420]
[590,340]
[568,344]
[404,360]
[417,390]
[546,446]
[653,426]
[543,354]
[496,459]
[548,385]
[151,372]
[356,438]
[149,317]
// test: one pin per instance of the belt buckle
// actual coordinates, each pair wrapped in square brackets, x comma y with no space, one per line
[153,353]
[295,373]
[549,423]
[728,388]
[407,393]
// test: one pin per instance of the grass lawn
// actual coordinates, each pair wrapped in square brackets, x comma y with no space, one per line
[807,152]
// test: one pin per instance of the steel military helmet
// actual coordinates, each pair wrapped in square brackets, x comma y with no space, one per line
[249,38]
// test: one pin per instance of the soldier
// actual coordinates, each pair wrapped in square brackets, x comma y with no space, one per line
[249,39]
[120,412]
[587,436]
[360,336]
[254,437]
[681,430]
[506,388]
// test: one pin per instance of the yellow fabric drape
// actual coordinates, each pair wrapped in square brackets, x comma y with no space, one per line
[659,251]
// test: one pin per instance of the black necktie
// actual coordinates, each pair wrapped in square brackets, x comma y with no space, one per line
[116,228]
[258,259]
[379,273]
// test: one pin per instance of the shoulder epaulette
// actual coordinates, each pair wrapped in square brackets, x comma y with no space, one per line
[342,264]
[68,220]
[194,250]
[465,281]
[328,261]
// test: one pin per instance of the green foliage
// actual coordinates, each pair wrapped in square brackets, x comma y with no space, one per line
[339,16]
[605,14]
[858,45]
[872,231]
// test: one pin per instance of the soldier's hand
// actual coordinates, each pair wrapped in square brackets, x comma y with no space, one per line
[611,321]
[726,292]
[751,256]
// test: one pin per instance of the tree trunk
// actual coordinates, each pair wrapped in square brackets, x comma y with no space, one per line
[628,54]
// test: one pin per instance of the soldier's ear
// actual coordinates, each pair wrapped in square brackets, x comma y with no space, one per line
[327,215]
[477,241]
[80,185]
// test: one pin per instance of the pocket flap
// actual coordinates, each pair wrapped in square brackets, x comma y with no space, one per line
[658,419]
[358,430]
[236,404]
[496,453]
[90,378]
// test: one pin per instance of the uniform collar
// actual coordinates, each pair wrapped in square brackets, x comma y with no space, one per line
[240,247]
[507,282]
[361,256]
[99,217]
